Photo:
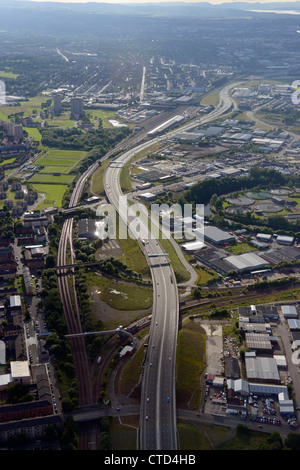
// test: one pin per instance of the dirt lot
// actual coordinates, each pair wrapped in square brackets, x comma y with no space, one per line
[214,348]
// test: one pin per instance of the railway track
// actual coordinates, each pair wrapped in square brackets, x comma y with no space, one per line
[69,301]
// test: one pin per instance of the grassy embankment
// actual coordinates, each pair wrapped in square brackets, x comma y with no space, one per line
[190,365]
[118,303]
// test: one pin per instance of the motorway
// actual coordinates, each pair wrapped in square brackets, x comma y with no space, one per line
[158,430]
[157,415]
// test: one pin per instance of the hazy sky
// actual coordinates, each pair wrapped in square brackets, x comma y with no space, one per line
[160,1]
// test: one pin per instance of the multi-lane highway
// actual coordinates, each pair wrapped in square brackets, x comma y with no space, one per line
[158,411]
[158,429]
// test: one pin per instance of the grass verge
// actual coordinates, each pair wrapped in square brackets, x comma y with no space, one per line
[190,364]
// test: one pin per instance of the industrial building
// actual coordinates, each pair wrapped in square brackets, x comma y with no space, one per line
[258,314]
[294,324]
[232,368]
[289,253]
[264,237]
[262,369]
[246,262]
[259,342]
[192,247]
[147,197]
[217,236]
[280,361]
[245,388]
[285,240]
[289,311]
[87,229]
[166,125]
[261,328]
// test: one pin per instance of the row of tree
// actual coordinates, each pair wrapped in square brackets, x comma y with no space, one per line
[98,140]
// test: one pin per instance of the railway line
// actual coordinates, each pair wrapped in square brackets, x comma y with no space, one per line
[160,430]
[69,301]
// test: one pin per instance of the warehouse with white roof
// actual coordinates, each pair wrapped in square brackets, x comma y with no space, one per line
[246,262]
[289,311]
[193,246]
[294,324]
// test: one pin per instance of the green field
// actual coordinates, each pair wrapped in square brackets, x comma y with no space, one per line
[53,194]
[60,158]
[240,248]
[122,295]
[104,115]
[4,74]
[56,161]
[26,107]
[48,179]
[131,372]
[190,364]
[191,437]
[8,161]
[3,116]
[203,275]
[33,132]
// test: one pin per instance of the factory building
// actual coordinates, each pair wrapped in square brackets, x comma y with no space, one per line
[289,311]
[294,324]
[246,262]
[285,240]
[259,342]
[217,236]
[87,229]
[262,369]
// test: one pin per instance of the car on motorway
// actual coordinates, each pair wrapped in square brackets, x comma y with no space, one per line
[168,399]
[148,399]
[150,364]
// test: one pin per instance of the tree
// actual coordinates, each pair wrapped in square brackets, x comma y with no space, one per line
[50,261]
[197,292]
[292,440]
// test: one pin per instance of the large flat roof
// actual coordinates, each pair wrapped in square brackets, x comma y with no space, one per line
[262,368]
[192,246]
[246,261]
[19,369]
[289,311]
[217,235]
[15,301]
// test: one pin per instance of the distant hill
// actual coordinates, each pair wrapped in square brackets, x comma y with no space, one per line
[163,9]
[61,19]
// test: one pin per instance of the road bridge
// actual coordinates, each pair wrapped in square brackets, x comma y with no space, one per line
[119,330]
